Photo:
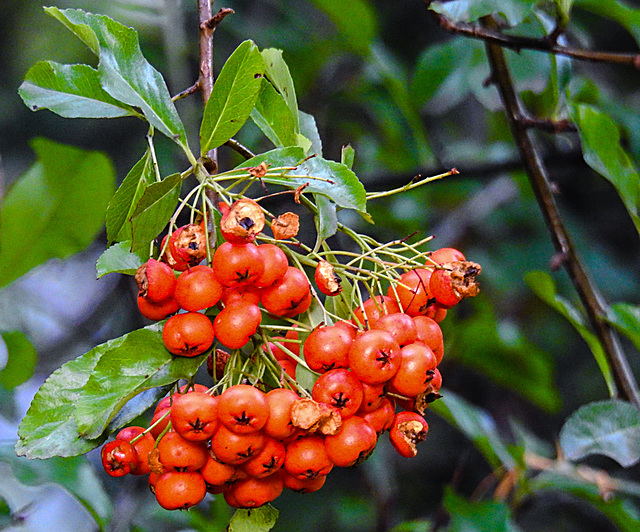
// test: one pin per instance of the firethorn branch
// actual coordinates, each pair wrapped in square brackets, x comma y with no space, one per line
[545,44]
[414,183]
[588,292]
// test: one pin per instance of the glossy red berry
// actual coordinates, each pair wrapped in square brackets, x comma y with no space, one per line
[188,334]
[118,458]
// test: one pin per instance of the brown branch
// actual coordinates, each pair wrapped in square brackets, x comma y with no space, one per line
[589,295]
[548,45]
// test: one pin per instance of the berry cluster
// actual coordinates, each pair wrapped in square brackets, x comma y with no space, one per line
[376,371]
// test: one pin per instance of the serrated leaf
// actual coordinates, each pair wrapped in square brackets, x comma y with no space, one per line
[601,149]
[514,11]
[274,118]
[233,96]
[261,519]
[124,72]
[626,318]
[355,20]
[543,286]
[610,428]
[55,209]
[139,363]
[76,474]
[118,259]
[277,72]
[477,425]
[21,362]
[335,181]
[72,91]
[153,211]
[126,198]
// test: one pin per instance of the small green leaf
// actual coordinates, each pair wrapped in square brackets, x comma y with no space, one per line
[233,96]
[261,519]
[514,11]
[72,91]
[348,156]
[21,362]
[611,428]
[139,363]
[124,72]
[333,179]
[484,516]
[355,20]
[274,118]
[55,209]
[153,211]
[601,149]
[75,474]
[277,72]
[326,220]
[477,425]
[126,198]
[543,286]
[118,259]
[626,318]
[310,134]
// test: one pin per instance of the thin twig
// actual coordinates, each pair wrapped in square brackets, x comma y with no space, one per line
[548,45]
[589,295]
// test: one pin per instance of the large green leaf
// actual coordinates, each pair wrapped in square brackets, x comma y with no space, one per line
[21,362]
[118,259]
[75,474]
[514,11]
[72,410]
[333,179]
[355,20]
[473,516]
[126,198]
[153,211]
[477,425]
[602,151]
[277,72]
[233,96]
[611,428]
[55,209]
[543,286]
[626,318]
[124,72]
[261,519]
[273,116]
[72,91]
[139,363]
[621,12]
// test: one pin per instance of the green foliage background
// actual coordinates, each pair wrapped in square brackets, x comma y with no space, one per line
[410,99]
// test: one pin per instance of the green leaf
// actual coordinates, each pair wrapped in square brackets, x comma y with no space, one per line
[311,141]
[124,72]
[233,96]
[139,363]
[76,474]
[335,181]
[601,149]
[419,525]
[21,362]
[543,286]
[355,20]
[625,15]
[126,198]
[348,156]
[274,118]
[261,519]
[118,259]
[153,211]
[514,11]
[55,209]
[626,318]
[72,91]
[477,425]
[277,72]
[611,428]
[484,516]
[71,411]
[326,220]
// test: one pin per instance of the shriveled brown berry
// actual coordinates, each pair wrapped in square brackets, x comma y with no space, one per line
[285,226]
[327,280]
[189,244]
[242,222]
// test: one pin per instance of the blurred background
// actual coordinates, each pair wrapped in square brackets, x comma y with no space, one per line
[411,100]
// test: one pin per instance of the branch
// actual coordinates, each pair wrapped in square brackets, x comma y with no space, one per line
[548,45]
[589,295]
